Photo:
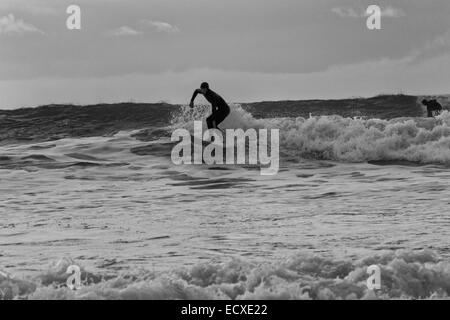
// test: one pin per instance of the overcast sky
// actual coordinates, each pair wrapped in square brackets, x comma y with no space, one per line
[248,50]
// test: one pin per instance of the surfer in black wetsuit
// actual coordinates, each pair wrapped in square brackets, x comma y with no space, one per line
[432,105]
[220,109]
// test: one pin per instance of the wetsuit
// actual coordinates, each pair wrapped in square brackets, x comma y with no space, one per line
[220,109]
[432,105]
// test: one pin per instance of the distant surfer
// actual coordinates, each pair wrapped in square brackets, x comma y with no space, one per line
[432,106]
[220,109]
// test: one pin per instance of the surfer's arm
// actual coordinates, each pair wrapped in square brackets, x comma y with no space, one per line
[196,92]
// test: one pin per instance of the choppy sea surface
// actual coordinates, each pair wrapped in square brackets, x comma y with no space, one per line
[353,190]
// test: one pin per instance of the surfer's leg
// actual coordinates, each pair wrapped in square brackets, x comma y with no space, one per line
[221,116]
[210,121]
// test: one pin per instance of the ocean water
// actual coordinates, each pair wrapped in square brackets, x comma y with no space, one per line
[351,192]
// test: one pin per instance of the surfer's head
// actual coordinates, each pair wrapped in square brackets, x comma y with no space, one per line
[424,101]
[204,87]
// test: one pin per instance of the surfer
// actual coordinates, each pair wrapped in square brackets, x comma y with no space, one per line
[220,109]
[432,105]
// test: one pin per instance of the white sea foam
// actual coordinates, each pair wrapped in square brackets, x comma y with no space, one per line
[404,275]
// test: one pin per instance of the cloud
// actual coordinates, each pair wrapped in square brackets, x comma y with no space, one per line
[348,12]
[434,48]
[391,12]
[34,7]
[125,31]
[386,75]
[9,25]
[161,26]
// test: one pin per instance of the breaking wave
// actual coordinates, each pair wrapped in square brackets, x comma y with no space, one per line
[356,140]
[404,275]
[418,140]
